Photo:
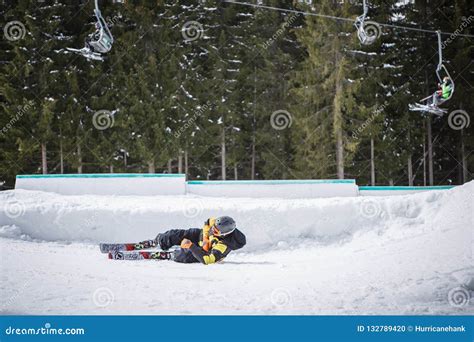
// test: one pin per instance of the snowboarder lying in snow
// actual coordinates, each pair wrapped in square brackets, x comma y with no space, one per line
[208,245]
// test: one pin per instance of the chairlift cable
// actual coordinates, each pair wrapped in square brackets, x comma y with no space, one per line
[345,19]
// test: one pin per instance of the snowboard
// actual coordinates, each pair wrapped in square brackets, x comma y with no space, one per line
[117,247]
[141,255]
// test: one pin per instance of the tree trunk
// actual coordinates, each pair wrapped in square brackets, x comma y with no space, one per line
[252,167]
[459,167]
[223,162]
[44,161]
[79,158]
[61,155]
[254,124]
[151,165]
[338,122]
[409,162]
[170,166]
[424,153]
[236,172]
[430,152]
[180,162]
[339,155]
[111,168]
[410,170]
[186,165]
[463,160]
[372,162]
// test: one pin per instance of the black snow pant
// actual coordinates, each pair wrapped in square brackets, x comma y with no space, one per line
[174,237]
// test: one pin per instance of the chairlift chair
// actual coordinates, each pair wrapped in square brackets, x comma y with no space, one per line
[364,38]
[105,40]
[430,108]
[100,44]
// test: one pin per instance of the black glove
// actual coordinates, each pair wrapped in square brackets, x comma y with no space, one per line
[161,242]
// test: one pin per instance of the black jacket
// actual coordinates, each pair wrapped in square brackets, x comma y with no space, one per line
[220,247]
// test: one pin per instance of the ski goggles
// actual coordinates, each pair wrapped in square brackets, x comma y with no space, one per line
[216,232]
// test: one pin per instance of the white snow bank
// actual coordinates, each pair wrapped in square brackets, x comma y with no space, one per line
[13,232]
[266,222]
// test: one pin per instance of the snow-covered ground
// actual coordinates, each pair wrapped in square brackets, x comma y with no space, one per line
[408,254]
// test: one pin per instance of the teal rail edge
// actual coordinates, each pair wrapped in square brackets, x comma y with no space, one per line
[397,188]
[271,182]
[107,175]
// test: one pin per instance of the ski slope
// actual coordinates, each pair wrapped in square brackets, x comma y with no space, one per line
[410,254]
